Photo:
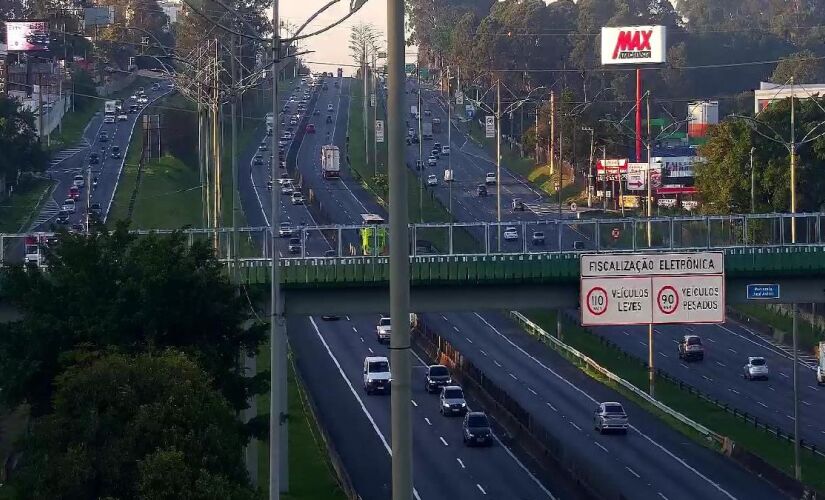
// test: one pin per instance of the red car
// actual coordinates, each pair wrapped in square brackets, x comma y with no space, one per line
[74,192]
[310,129]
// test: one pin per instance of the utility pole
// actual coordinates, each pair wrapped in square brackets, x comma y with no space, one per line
[366,114]
[400,408]
[651,371]
[420,143]
[604,178]
[498,161]
[235,201]
[552,131]
[449,141]
[590,168]
[537,133]
[374,81]
[753,184]
[793,164]
[278,436]
[797,465]
[561,162]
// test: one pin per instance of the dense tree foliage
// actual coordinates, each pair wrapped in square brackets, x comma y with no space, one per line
[148,426]
[135,293]
[21,151]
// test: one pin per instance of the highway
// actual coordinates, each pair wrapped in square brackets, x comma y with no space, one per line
[653,458]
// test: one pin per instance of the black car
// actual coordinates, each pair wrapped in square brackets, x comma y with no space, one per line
[94,158]
[476,429]
[95,209]
[437,376]
[538,238]
[103,137]
[415,139]
[295,245]
[133,108]
[115,152]
[481,189]
[329,119]
[62,217]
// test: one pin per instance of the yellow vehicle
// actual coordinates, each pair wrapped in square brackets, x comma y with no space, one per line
[373,239]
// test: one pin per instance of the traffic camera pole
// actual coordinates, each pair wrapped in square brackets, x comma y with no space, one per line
[400,409]
[278,442]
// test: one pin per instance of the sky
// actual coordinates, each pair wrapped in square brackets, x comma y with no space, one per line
[332,46]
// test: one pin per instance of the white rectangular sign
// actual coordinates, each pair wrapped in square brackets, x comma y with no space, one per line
[636,177]
[657,288]
[459,97]
[379,130]
[372,100]
[489,126]
[634,45]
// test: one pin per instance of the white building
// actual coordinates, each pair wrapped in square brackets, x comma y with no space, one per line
[769,92]
[170,8]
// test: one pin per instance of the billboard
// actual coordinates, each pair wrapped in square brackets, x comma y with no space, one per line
[611,170]
[634,45]
[98,16]
[27,36]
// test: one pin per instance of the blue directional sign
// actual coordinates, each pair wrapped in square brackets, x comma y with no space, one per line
[763,291]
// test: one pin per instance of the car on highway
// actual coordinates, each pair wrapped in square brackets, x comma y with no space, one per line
[414,139]
[538,238]
[297,198]
[427,112]
[115,152]
[258,159]
[122,117]
[410,132]
[329,119]
[756,368]
[293,121]
[377,375]
[295,245]
[490,178]
[418,164]
[383,329]
[451,401]
[437,377]
[94,158]
[578,245]
[476,429]
[78,181]
[610,416]
[445,150]
[286,136]
[62,217]
[518,205]
[94,183]
[103,137]
[481,190]
[310,128]
[330,253]
[448,175]
[143,100]
[133,108]
[435,152]
[68,206]
[74,192]
[316,112]
[95,210]
[690,348]
[155,87]
[432,161]
[287,188]
[77,228]
[109,119]
[283,179]
[330,108]
[432,180]
[510,233]
[437,145]
[263,146]
[285,229]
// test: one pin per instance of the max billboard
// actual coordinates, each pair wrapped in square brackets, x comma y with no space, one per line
[634,45]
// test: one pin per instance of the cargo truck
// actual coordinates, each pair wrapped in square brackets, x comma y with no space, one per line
[436,125]
[427,130]
[414,111]
[109,107]
[330,161]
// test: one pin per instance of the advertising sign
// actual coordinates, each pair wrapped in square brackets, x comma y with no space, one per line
[372,100]
[611,170]
[690,205]
[658,288]
[666,202]
[459,97]
[634,45]
[379,130]
[636,176]
[3,70]
[27,36]
[629,201]
[98,16]
[489,126]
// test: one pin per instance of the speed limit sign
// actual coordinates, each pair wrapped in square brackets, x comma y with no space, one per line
[573,207]
[615,233]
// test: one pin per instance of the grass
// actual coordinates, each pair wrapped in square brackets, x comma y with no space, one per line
[16,211]
[808,337]
[777,452]
[169,196]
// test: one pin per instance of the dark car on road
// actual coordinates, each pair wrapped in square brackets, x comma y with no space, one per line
[94,158]
[437,376]
[476,429]
[62,217]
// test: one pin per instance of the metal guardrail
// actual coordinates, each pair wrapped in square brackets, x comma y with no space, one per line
[559,345]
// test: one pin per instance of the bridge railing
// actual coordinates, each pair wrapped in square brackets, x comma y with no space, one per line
[690,233]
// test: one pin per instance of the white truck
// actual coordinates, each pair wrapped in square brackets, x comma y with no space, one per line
[820,367]
[427,130]
[330,161]
[414,111]
[109,107]
[270,121]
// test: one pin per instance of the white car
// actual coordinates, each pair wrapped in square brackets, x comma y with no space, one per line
[383,330]
[448,175]
[757,368]
[287,188]
[330,108]
[297,198]
[143,100]
[377,375]
[432,161]
[286,135]
[285,229]
[78,181]
[490,178]
[68,206]
[122,117]
[510,233]
[432,180]
[445,150]
[610,416]
[109,119]
[284,180]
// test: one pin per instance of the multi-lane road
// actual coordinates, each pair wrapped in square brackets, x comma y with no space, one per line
[653,461]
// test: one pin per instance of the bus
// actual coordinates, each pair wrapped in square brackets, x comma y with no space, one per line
[373,240]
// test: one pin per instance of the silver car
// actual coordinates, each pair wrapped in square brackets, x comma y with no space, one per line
[610,416]
[757,368]
[451,401]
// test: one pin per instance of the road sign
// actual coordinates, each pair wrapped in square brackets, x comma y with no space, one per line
[615,233]
[372,99]
[763,291]
[379,130]
[659,288]
[459,97]
[490,126]
[573,207]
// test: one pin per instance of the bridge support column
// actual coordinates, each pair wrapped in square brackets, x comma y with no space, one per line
[797,466]
[651,370]
[340,243]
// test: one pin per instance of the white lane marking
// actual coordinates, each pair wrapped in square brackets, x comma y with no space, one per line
[428,421]
[442,440]
[444,317]
[633,472]
[576,426]
[684,365]
[414,403]
[805,403]
[731,350]
[347,318]
[534,392]
[707,378]
[513,377]
[600,446]
[663,354]
[497,363]
[461,463]
[771,389]
[483,352]
[711,339]
[720,363]
[784,375]
[355,394]
[626,333]
[551,406]
[370,350]
[355,329]
[362,339]
[591,399]
[814,388]
[789,416]
[763,404]
[643,343]
[661,495]
[456,328]
[481,489]
[733,390]
[469,339]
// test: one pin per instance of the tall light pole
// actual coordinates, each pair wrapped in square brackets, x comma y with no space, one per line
[400,408]
[590,168]
[753,184]
[498,162]
[449,140]
[420,140]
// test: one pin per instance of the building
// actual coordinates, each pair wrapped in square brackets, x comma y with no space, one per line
[170,8]
[769,92]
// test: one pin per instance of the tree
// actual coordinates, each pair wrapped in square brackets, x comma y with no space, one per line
[134,293]
[363,44]
[21,151]
[803,66]
[149,427]
[723,179]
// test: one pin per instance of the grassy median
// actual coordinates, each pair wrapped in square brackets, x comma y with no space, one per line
[17,211]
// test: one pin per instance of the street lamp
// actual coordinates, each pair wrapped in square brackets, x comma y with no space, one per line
[590,169]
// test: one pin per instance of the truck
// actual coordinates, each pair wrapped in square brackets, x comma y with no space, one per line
[109,107]
[330,161]
[270,121]
[383,330]
[414,111]
[436,125]
[427,130]
[32,250]
[820,367]
[119,105]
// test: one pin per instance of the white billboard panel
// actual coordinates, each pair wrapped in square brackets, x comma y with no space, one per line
[379,130]
[634,45]
[27,36]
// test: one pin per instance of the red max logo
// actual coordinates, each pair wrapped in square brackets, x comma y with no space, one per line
[632,44]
